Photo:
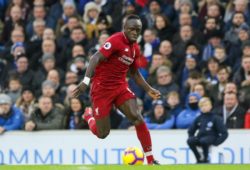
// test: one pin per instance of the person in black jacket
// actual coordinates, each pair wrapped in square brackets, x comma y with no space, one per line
[211,131]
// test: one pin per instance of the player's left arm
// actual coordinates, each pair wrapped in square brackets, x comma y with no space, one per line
[155,94]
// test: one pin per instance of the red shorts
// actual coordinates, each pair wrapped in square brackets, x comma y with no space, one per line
[103,99]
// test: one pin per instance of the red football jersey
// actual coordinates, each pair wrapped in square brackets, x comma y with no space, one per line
[120,55]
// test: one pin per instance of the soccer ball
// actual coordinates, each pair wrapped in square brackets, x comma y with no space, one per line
[133,156]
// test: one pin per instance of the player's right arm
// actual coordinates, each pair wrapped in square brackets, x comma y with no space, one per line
[94,61]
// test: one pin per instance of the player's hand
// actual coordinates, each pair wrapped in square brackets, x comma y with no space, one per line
[81,87]
[155,94]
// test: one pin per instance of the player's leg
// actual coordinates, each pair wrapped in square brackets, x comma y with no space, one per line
[129,108]
[98,126]
[193,142]
[98,118]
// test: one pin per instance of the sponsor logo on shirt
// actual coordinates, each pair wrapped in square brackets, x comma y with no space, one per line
[126,60]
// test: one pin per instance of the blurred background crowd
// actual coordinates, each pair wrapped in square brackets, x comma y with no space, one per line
[190,49]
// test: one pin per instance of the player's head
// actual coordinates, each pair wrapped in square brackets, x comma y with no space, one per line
[132,27]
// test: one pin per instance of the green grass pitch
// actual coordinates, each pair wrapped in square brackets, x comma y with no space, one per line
[123,167]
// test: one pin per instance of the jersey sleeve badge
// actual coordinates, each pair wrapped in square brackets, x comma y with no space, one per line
[107,46]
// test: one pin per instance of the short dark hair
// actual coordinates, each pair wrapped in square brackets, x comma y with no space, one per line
[132,16]
[224,67]
[78,28]
[195,75]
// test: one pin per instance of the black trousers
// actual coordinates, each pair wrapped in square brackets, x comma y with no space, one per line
[204,143]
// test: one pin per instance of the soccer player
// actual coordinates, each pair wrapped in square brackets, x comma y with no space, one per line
[110,65]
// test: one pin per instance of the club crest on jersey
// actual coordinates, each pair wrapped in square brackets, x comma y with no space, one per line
[107,46]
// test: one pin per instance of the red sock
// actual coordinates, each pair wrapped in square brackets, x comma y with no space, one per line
[92,125]
[145,139]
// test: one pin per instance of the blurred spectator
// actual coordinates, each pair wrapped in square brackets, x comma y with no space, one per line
[91,13]
[242,76]
[154,8]
[54,76]
[166,50]
[10,24]
[14,88]
[231,87]
[238,6]
[211,131]
[194,78]
[103,24]
[25,8]
[10,117]
[38,27]
[165,84]
[49,90]
[215,10]
[26,102]
[188,115]
[243,34]
[121,10]
[214,39]
[17,35]
[97,44]
[46,117]
[221,55]
[231,111]
[77,36]
[211,71]
[159,118]
[181,39]
[157,61]
[77,50]
[22,70]
[185,7]
[191,65]
[201,89]
[67,94]
[173,103]
[151,43]
[3,73]
[244,96]
[79,66]
[163,27]
[39,13]
[210,24]
[48,34]
[74,116]
[16,49]
[48,63]
[217,90]
[64,31]
[49,48]
[238,20]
